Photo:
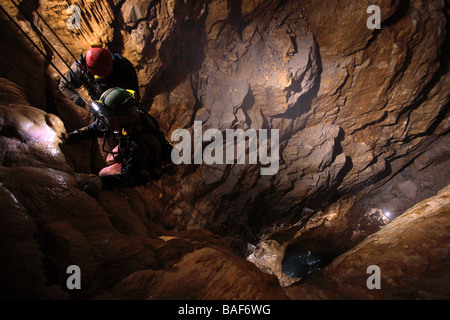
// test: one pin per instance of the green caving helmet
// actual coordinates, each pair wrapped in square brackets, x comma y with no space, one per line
[117,102]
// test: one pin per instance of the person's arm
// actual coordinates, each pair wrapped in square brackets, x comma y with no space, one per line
[68,88]
[88,132]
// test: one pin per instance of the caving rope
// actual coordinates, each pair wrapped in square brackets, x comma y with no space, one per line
[32,42]
[48,59]
[92,91]
[172,196]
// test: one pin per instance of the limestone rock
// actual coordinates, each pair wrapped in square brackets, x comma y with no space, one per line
[32,82]
[183,281]
[411,252]
[109,237]
[341,28]
[315,233]
[289,66]
[20,273]
[362,116]
[29,136]
[312,162]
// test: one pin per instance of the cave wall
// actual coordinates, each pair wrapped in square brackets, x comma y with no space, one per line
[349,115]
[356,108]
[48,224]
[353,106]
[411,254]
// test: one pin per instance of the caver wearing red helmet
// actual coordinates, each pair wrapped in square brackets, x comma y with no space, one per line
[99,71]
[99,61]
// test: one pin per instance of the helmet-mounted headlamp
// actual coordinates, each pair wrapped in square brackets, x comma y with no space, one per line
[115,102]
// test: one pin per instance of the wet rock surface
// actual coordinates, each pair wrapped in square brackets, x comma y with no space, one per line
[363,122]
[411,253]
[48,224]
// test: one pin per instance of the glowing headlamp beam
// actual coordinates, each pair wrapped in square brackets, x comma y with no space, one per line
[95,106]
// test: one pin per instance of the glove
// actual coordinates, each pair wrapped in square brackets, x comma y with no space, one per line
[91,184]
[72,137]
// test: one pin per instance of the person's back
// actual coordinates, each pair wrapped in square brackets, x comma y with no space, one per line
[123,75]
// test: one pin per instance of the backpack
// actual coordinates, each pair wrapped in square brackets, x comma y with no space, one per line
[152,126]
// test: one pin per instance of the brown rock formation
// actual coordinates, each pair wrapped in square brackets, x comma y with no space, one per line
[363,122]
[411,252]
[48,224]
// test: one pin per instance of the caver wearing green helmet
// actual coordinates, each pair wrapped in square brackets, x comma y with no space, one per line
[140,148]
[116,102]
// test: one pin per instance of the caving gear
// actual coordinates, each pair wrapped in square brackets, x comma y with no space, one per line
[142,148]
[123,75]
[99,61]
[96,45]
[116,102]
[123,72]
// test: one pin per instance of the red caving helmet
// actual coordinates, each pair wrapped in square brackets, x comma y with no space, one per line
[99,61]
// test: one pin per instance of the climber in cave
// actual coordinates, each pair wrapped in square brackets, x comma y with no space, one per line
[98,71]
[142,148]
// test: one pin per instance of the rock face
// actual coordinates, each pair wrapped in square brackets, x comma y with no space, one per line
[48,224]
[419,237]
[362,117]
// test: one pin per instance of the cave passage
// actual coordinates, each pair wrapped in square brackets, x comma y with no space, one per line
[298,262]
